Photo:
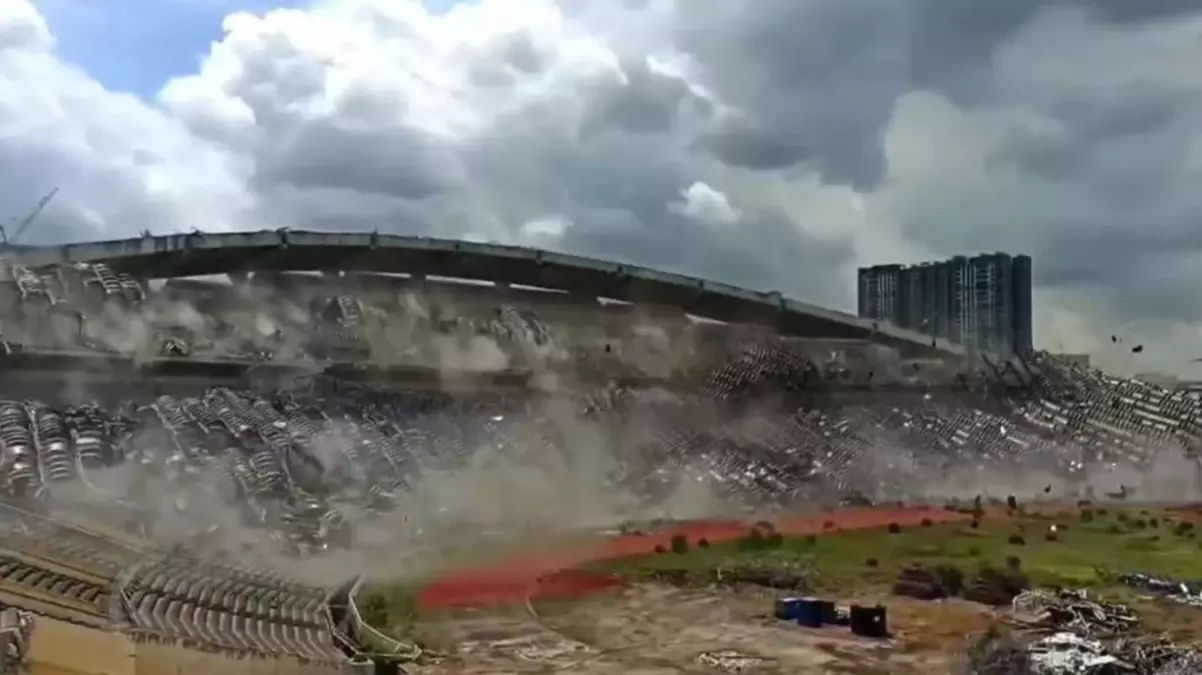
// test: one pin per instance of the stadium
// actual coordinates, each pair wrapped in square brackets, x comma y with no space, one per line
[211,442]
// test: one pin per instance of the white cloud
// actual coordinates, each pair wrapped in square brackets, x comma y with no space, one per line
[703,203]
[600,127]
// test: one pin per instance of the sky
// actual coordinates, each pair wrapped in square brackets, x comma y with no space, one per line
[774,144]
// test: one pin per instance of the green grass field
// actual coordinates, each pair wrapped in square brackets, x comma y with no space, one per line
[1068,549]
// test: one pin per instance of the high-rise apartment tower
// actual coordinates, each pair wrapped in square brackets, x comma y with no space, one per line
[982,302]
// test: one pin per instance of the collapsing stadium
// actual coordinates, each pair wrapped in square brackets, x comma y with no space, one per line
[210,464]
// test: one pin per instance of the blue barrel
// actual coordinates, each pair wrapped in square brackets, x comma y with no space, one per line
[810,612]
[786,609]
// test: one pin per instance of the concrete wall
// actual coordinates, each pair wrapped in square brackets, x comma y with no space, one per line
[61,648]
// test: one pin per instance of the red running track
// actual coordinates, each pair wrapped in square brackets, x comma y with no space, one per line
[554,574]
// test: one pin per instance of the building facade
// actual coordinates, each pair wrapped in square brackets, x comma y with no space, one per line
[982,302]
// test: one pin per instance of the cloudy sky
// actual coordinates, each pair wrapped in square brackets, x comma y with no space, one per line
[775,144]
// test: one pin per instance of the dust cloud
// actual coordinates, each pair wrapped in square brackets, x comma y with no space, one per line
[553,468]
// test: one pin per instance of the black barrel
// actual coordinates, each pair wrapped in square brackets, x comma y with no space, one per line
[870,622]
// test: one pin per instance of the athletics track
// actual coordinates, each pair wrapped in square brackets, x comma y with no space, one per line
[556,574]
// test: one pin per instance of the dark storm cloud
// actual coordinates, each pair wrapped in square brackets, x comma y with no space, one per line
[818,77]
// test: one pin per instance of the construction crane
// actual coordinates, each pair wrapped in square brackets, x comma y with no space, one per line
[25,222]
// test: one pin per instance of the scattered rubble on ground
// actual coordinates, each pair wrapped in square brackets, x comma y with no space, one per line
[1073,611]
[1092,637]
[1188,593]
[731,660]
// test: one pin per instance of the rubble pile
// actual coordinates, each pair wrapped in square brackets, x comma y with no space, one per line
[1188,593]
[1073,611]
[1091,637]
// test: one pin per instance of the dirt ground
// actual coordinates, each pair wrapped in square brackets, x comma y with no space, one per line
[652,629]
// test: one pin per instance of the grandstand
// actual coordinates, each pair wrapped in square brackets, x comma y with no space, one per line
[310,383]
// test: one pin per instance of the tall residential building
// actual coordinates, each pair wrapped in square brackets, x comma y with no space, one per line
[983,302]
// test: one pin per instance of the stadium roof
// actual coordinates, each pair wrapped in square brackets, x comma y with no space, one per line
[196,254]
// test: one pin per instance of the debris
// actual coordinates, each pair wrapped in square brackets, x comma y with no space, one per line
[731,661]
[1188,593]
[1068,654]
[1073,611]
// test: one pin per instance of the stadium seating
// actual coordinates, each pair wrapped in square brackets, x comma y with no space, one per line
[760,419]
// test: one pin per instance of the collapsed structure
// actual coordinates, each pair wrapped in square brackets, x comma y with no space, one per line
[305,408]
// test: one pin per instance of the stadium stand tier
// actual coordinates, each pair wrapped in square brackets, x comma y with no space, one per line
[309,406]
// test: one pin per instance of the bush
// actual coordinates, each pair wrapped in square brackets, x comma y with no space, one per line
[1087,515]
[659,549]
[774,540]
[754,541]
[1139,524]
[1051,536]
[951,578]
[975,523]
[1114,529]
[1017,540]
[872,562]
[894,528]
[927,522]
[1182,528]
[811,539]
[1014,562]
[680,544]
[703,543]
[974,551]
[1011,503]
[1153,522]
[828,525]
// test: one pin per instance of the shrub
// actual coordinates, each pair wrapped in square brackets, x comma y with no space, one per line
[1051,536]
[974,551]
[680,544]
[951,578]
[659,549]
[975,523]
[927,522]
[1153,522]
[828,525]
[1086,515]
[774,540]
[703,543]
[1014,562]
[872,562]
[1017,540]
[894,528]
[1139,524]
[1114,529]
[754,541]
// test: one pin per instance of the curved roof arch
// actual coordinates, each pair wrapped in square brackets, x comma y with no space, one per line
[195,254]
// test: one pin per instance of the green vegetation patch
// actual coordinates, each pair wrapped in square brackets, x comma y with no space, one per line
[392,608]
[1081,548]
